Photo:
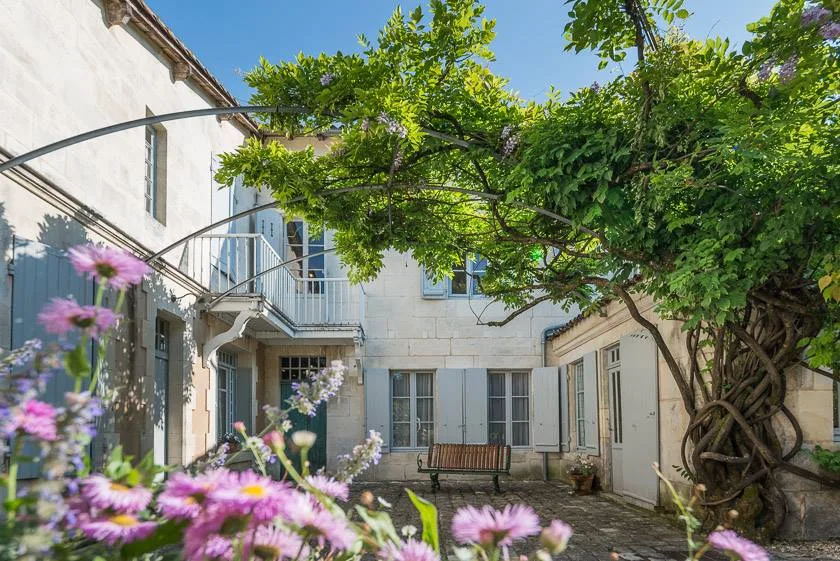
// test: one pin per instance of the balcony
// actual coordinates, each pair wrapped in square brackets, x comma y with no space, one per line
[243,272]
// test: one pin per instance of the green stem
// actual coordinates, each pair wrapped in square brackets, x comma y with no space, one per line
[11,481]
[103,344]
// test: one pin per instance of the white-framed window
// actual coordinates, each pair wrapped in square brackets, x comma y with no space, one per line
[613,358]
[296,368]
[836,411]
[465,275]
[225,388]
[580,403]
[509,407]
[302,240]
[151,169]
[154,180]
[412,409]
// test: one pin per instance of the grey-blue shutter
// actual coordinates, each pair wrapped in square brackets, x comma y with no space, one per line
[565,439]
[475,405]
[590,399]
[450,405]
[378,403]
[42,273]
[243,397]
[546,392]
[432,289]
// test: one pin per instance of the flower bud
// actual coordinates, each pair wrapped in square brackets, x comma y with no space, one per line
[274,440]
[239,427]
[555,536]
[304,439]
[367,499]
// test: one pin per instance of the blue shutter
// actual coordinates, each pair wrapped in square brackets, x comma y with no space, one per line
[378,403]
[565,439]
[475,405]
[450,405]
[546,392]
[590,398]
[432,289]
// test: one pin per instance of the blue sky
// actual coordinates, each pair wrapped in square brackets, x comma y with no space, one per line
[229,37]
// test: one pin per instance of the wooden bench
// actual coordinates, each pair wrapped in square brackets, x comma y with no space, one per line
[493,459]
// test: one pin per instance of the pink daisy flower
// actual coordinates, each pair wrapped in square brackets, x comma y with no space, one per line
[35,418]
[250,493]
[555,537]
[731,542]
[184,495]
[60,316]
[329,486]
[103,493]
[116,266]
[204,538]
[301,511]
[490,527]
[119,528]
[271,544]
[412,550]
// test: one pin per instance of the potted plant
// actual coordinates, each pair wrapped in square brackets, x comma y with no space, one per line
[581,473]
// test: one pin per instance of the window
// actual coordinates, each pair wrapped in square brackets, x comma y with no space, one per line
[303,240]
[155,171]
[509,408]
[614,375]
[465,276]
[225,393]
[296,368]
[580,404]
[412,409]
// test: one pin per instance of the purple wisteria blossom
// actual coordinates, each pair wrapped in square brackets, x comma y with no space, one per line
[493,528]
[363,455]
[788,70]
[64,315]
[815,15]
[117,267]
[327,78]
[595,87]
[830,31]
[766,68]
[392,125]
[509,147]
[730,542]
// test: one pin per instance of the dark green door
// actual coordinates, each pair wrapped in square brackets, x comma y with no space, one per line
[316,424]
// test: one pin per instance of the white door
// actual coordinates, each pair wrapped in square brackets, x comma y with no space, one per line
[639,417]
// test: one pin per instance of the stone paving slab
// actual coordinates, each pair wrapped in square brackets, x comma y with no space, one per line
[602,526]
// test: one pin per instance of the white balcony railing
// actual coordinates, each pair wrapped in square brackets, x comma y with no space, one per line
[223,262]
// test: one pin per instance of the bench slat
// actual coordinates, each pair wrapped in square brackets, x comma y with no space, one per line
[469,457]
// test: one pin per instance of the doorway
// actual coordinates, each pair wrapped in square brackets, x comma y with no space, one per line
[294,370]
[160,402]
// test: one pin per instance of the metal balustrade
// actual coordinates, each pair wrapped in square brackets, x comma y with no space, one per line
[220,262]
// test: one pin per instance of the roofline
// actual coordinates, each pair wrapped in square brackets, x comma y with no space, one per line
[185,65]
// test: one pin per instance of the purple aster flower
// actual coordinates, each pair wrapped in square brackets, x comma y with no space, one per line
[329,486]
[327,78]
[211,537]
[248,492]
[830,31]
[268,543]
[60,316]
[730,542]
[103,493]
[119,268]
[555,536]
[303,512]
[814,15]
[412,550]
[788,70]
[490,527]
[35,418]
[119,528]
[184,495]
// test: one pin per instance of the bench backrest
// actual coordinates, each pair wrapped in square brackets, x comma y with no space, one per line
[469,456]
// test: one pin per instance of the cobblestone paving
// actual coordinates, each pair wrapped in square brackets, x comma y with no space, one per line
[602,526]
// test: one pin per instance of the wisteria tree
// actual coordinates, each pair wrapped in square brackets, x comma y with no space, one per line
[705,177]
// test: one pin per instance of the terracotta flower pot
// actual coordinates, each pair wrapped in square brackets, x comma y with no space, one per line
[581,484]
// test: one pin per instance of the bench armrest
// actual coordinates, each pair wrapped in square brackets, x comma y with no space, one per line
[419,461]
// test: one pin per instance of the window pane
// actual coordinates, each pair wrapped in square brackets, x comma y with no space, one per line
[497,410]
[402,435]
[402,410]
[425,410]
[520,434]
[520,409]
[459,282]
[400,384]
[497,384]
[496,433]
[519,384]
[425,431]
[424,385]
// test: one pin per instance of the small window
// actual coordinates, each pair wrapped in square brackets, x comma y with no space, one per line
[509,408]
[580,404]
[161,335]
[459,283]
[479,267]
[614,374]
[155,172]
[465,277]
[296,368]
[412,409]
[301,240]
[225,399]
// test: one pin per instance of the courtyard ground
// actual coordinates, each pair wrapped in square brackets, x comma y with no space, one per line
[602,525]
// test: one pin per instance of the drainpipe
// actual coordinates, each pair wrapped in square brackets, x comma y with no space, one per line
[544,340]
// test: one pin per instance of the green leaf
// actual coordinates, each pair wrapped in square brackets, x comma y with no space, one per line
[380,524]
[168,533]
[76,362]
[429,517]
[682,13]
